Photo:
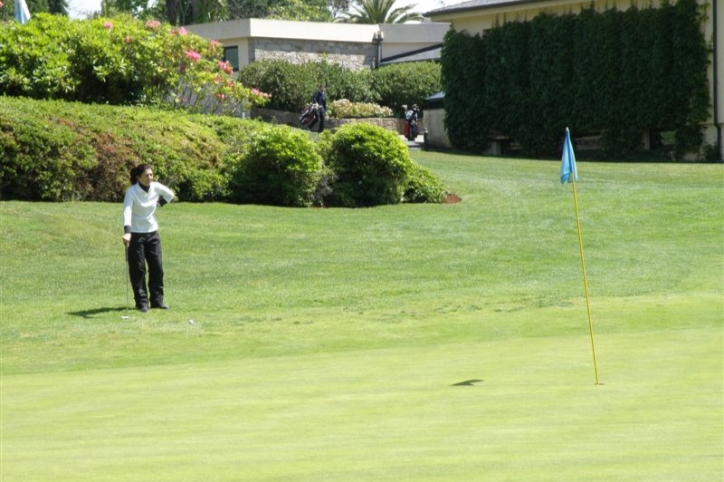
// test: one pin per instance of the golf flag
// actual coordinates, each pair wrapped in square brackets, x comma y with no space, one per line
[569,173]
[568,164]
[22,14]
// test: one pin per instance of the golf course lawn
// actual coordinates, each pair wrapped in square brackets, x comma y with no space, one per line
[401,343]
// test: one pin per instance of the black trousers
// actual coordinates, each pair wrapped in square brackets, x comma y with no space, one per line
[318,117]
[321,120]
[145,248]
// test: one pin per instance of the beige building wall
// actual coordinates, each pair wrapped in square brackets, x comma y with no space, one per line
[351,45]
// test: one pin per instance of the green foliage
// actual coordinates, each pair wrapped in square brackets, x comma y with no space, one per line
[344,109]
[424,186]
[371,166]
[299,10]
[292,85]
[613,74]
[463,65]
[406,83]
[280,167]
[118,61]
[60,151]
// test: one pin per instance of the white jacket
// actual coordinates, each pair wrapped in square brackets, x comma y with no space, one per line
[140,206]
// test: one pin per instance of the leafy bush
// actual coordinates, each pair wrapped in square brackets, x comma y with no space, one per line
[424,186]
[118,61]
[344,109]
[406,83]
[371,166]
[280,167]
[61,151]
[292,85]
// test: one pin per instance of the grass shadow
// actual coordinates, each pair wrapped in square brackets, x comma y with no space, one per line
[87,314]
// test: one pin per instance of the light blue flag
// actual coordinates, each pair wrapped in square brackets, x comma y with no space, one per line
[568,165]
[22,14]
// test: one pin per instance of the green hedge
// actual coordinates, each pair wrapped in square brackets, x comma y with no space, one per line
[406,84]
[612,73]
[292,85]
[63,151]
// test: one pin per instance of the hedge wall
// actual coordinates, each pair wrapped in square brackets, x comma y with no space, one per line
[613,73]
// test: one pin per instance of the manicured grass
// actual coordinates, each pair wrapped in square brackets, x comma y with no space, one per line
[326,344]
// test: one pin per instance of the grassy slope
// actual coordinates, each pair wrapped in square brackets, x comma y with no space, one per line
[325,343]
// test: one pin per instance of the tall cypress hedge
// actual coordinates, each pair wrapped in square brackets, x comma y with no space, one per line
[616,74]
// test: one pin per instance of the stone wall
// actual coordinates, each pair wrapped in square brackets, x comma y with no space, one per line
[353,56]
[292,119]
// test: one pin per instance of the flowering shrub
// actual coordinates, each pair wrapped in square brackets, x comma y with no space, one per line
[119,61]
[344,109]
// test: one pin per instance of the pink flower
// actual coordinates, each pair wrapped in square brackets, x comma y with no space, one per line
[220,96]
[182,31]
[193,56]
[215,43]
[218,79]
[226,66]
[108,25]
[153,24]
[259,93]
[128,39]
[2,4]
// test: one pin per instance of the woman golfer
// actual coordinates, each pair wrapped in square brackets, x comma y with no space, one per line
[140,236]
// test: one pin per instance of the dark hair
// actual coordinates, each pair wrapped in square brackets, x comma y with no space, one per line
[137,171]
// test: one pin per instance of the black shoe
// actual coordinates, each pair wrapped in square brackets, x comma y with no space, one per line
[162,306]
[143,308]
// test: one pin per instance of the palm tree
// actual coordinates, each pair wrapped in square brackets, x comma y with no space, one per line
[380,11]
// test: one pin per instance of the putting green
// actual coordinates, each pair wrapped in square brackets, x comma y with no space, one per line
[387,414]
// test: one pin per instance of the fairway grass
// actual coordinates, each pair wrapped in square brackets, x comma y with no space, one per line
[400,343]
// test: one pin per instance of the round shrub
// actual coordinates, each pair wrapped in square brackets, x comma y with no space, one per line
[371,166]
[424,186]
[280,167]
[407,83]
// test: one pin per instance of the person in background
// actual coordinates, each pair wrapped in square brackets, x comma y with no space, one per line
[320,98]
[140,236]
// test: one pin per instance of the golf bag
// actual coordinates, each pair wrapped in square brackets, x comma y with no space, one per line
[310,115]
[412,129]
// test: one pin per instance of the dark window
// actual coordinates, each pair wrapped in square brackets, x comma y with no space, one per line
[231,54]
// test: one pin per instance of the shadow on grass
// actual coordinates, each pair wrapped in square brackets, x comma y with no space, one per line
[467,383]
[97,311]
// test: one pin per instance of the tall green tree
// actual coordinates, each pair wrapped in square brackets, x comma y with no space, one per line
[58,7]
[303,10]
[338,7]
[380,11]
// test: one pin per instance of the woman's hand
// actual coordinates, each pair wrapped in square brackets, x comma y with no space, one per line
[127,239]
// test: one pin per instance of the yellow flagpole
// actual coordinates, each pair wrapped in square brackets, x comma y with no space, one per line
[585,280]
